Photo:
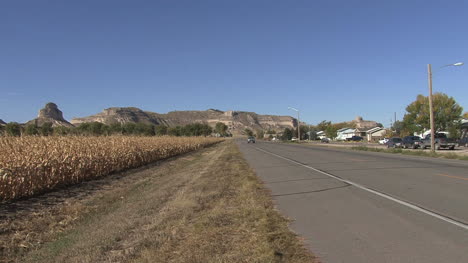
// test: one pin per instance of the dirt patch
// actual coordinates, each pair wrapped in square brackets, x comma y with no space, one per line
[202,207]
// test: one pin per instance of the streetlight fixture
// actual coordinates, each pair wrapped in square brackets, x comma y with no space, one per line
[298,124]
[431,111]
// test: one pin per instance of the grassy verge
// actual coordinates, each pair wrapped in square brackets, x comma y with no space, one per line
[416,153]
[203,207]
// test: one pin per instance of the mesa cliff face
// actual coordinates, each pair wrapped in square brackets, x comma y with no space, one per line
[118,115]
[237,121]
[50,114]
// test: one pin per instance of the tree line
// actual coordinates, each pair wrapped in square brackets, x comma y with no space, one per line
[100,129]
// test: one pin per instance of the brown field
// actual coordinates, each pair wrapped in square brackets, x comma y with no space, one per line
[204,206]
[32,165]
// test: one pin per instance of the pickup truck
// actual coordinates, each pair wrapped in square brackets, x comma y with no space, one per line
[441,141]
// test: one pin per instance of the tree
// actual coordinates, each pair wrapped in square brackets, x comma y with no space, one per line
[322,126]
[447,113]
[13,129]
[175,131]
[397,128]
[46,129]
[260,134]
[248,132]
[115,128]
[160,130]
[465,115]
[31,129]
[221,128]
[128,128]
[287,134]
[62,130]
[143,129]
[330,131]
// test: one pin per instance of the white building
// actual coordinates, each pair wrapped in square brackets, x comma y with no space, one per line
[345,133]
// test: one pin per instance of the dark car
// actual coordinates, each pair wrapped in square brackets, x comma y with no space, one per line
[251,139]
[395,142]
[463,142]
[355,139]
[325,140]
[413,142]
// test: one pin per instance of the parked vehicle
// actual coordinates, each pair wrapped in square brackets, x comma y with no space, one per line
[440,140]
[251,139]
[294,139]
[413,142]
[463,142]
[355,139]
[325,140]
[395,142]
[383,141]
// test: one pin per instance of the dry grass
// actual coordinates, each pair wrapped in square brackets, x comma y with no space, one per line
[204,207]
[31,165]
[412,152]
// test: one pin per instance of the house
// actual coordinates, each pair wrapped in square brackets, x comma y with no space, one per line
[321,134]
[375,134]
[345,133]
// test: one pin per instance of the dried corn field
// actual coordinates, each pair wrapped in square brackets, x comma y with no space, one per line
[31,165]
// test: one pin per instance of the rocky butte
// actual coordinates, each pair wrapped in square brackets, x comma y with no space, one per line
[236,121]
[50,114]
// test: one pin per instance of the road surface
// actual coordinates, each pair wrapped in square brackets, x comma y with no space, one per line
[354,206]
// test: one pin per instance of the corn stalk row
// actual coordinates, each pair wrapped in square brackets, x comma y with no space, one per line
[30,165]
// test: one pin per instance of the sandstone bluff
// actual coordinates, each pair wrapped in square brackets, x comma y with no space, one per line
[237,121]
[50,114]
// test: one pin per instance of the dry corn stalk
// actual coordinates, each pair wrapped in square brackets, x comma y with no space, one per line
[31,165]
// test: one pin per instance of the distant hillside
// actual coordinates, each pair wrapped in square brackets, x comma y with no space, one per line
[50,114]
[2,122]
[237,121]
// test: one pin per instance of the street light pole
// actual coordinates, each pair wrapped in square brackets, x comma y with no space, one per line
[431,109]
[298,124]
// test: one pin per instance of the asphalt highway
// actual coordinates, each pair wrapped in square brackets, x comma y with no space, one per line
[353,206]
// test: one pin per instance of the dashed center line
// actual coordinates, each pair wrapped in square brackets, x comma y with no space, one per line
[453,176]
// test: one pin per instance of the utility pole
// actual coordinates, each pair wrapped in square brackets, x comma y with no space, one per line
[431,110]
[298,124]
[298,128]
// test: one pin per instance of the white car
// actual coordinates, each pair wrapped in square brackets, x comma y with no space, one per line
[383,141]
[294,139]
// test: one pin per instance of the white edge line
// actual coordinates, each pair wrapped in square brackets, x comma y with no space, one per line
[401,202]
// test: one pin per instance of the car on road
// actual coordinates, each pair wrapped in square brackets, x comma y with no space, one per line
[294,139]
[355,139]
[251,139]
[413,142]
[383,141]
[325,140]
[440,141]
[395,142]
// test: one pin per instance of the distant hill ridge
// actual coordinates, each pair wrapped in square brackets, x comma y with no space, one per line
[237,121]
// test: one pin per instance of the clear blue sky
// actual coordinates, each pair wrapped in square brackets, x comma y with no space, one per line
[333,60]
